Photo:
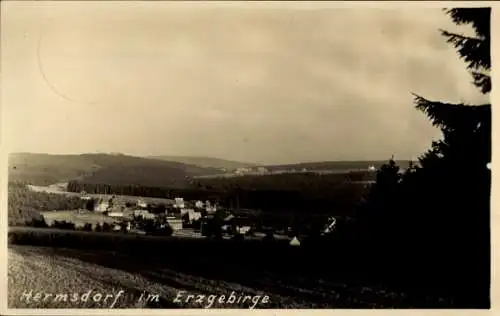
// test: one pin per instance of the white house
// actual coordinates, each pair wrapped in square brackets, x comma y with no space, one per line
[179,202]
[211,209]
[243,170]
[294,242]
[140,212]
[262,170]
[102,206]
[142,204]
[148,215]
[115,214]
[175,223]
[198,204]
[193,215]
[243,229]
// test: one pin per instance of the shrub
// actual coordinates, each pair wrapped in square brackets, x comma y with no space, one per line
[38,222]
[87,227]
[63,225]
[106,227]
[90,204]
[164,231]
[238,237]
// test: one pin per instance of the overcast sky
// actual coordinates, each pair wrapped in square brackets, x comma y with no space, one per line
[245,82]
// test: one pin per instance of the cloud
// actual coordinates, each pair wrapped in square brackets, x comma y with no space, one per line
[270,85]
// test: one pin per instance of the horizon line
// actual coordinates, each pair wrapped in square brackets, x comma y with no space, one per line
[155,156]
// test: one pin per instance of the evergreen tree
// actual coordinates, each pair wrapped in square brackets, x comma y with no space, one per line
[440,210]
[466,128]
[449,195]
[458,161]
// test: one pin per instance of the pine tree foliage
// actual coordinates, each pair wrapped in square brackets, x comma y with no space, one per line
[451,117]
[466,126]
[440,210]
[476,51]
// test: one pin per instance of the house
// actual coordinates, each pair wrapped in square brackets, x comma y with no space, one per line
[237,224]
[139,213]
[210,208]
[262,170]
[179,203]
[193,215]
[148,215]
[144,214]
[115,214]
[102,206]
[175,223]
[142,204]
[241,171]
[198,204]
[294,242]
[243,229]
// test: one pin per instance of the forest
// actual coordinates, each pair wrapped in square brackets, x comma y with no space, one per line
[301,192]
[25,205]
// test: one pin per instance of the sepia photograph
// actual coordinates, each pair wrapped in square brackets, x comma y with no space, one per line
[246,155]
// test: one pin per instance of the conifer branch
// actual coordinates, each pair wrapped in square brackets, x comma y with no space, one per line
[450,117]
[475,51]
[482,81]
[478,17]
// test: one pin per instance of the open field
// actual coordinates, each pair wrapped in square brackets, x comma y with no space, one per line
[58,270]
[322,275]
[76,217]
[60,188]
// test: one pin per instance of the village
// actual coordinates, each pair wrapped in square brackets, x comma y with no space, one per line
[163,217]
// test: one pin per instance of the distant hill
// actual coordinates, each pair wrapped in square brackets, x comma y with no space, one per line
[207,162]
[335,165]
[44,169]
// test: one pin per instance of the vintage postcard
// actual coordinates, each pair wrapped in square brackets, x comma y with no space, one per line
[246,156]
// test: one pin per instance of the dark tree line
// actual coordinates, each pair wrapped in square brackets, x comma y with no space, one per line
[287,181]
[139,190]
[323,194]
[434,219]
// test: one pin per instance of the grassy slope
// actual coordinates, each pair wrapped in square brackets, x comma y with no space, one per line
[56,270]
[207,162]
[43,169]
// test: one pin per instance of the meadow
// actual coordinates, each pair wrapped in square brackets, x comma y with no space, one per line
[319,275]
[61,269]
[78,218]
